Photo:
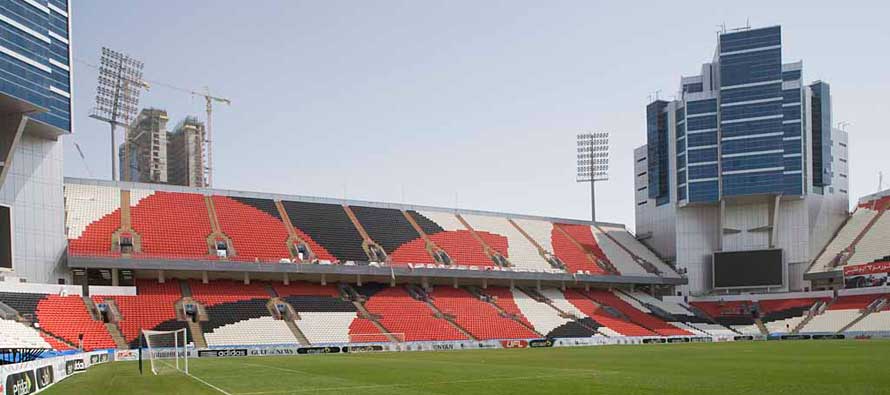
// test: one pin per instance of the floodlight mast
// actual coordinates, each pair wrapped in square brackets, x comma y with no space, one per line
[117,97]
[593,163]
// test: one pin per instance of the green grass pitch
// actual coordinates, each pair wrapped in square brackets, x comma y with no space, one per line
[790,367]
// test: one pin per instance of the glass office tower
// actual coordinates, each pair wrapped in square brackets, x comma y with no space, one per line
[746,149]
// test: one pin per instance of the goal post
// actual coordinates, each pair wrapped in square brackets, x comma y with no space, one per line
[379,337]
[167,351]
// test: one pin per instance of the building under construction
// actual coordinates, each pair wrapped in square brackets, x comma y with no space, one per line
[185,154]
[158,156]
[147,143]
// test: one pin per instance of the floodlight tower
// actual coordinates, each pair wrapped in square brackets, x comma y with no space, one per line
[117,95]
[593,163]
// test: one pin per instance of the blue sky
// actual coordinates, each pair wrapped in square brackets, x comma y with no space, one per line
[466,103]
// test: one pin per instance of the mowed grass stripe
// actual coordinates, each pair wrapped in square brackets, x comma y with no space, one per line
[811,367]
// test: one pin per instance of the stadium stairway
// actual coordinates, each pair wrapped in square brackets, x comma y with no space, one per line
[818,308]
[874,307]
[483,296]
[761,326]
[358,300]
[548,256]
[590,252]
[434,251]
[195,331]
[288,317]
[217,234]
[447,317]
[498,257]
[294,238]
[373,250]
[114,316]
[645,264]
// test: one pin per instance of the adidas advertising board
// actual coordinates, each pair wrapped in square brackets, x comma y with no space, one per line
[223,353]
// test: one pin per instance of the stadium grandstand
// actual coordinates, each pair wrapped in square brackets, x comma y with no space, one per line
[95,270]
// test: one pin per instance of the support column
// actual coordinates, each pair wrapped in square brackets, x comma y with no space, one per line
[562,286]
[484,283]
[286,278]
[592,199]
[512,285]
[425,283]
[358,280]
[324,279]
[161,276]
[587,287]
[246,278]
[456,286]
[12,126]
[204,279]
[774,222]
[538,285]
[115,277]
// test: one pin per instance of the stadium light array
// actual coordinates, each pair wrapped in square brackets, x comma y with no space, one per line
[117,94]
[593,162]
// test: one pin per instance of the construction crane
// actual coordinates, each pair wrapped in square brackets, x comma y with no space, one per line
[208,137]
[209,99]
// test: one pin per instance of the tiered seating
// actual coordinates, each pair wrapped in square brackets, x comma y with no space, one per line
[458,241]
[399,313]
[24,303]
[255,228]
[851,230]
[839,314]
[713,329]
[873,246]
[392,231]
[874,322]
[573,257]
[153,308]
[780,315]
[503,297]
[92,216]
[245,322]
[329,226]
[300,288]
[18,335]
[652,323]
[172,225]
[584,236]
[622,260]
[522,253]
[617,327]
[728,313]
[67,317]
[674,309]
[477,317]
[216,292]
[623,237]
[542,317]
[323,318]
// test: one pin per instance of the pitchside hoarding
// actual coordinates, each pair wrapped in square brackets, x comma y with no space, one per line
[867,275]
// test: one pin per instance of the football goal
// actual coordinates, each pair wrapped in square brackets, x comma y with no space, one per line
[167,351]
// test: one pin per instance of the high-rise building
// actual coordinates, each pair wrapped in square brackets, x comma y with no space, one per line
[185,154]
[745,160]
[147,142]
[35,110]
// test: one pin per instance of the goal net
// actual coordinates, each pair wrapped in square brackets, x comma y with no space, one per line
[167,351]
[379,337]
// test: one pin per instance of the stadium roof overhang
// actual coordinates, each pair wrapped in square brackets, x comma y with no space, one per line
[836,274]
[75,262]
